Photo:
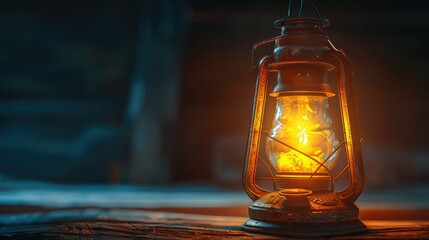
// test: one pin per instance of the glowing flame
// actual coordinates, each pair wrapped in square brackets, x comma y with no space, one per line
[303,123]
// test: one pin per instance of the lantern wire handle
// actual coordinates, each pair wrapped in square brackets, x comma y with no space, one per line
[301,8]
[289,8]
[314,8]
[269,170]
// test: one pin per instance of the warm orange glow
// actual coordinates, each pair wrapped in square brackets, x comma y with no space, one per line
[295,161]
[303,123]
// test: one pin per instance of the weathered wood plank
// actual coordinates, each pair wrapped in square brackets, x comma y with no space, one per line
[114,224]
[115,230]
[118,215]
[111,230]
[395,231]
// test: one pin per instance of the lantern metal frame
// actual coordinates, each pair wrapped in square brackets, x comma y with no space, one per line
[301,213]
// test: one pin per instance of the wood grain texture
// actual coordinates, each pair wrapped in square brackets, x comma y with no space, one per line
[113,230]
[162,225]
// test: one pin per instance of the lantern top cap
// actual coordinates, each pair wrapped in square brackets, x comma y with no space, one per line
[301,23]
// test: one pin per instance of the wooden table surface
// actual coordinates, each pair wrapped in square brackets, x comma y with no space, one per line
[116,224]
[40,210]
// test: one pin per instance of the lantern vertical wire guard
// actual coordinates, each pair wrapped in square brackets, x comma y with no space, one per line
[301,145]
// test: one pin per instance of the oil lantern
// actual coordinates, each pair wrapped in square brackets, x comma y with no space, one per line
[301,149]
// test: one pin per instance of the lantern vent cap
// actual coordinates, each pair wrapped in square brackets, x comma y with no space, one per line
[301,23]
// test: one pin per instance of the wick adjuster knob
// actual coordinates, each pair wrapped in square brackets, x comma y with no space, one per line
[295,197]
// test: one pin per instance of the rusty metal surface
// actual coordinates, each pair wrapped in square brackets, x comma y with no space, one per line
[302,48]
[249,172]
[305,230]
[302,57]
[323,208]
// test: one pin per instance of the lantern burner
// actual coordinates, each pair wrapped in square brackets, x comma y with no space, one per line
[320,182]
[296,197]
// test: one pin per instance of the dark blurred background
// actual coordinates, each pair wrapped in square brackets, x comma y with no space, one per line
[160,92]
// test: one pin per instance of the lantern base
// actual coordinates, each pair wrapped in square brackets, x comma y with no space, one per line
[304,230]
[297,212]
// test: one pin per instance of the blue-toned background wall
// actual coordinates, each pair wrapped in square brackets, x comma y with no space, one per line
[161,91]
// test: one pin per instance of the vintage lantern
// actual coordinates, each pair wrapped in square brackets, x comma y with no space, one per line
[301,146]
